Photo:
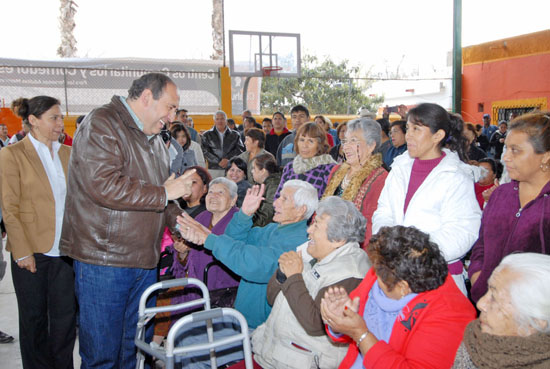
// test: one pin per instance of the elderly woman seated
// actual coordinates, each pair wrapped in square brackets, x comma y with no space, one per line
[513,330]
[191,261]
[407,312]
[252,253]
[293,335]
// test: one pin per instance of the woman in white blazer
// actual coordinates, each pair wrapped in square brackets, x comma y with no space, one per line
[430,187]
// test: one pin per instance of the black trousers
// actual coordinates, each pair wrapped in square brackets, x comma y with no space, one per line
[47,312]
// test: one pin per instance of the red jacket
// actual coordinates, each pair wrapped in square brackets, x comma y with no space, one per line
[428,336]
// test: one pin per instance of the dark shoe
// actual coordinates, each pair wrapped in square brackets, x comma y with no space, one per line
[5,338]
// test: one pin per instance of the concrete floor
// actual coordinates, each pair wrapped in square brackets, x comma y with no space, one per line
[10,356]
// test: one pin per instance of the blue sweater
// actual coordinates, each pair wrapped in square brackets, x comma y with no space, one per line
[253,253]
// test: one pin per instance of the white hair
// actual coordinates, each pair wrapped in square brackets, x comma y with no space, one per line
[369,128]
[305,195]
[346,223]
[530,292]
[230,185]
[220,112]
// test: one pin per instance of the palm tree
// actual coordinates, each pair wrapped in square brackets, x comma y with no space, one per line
[67,10]
[217,29]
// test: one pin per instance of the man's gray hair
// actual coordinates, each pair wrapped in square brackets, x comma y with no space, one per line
[220,112]
[346,223]
[305,195]
[530,291]
[370,128]
[230,185]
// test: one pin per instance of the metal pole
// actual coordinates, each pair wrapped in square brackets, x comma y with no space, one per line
[457,56]
[245,93]
[66,94]
[349,97]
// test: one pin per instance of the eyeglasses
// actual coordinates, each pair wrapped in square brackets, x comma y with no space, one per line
[352,141]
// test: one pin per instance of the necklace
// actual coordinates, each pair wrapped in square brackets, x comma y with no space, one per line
[346,181]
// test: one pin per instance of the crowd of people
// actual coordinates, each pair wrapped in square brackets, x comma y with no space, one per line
[363,244]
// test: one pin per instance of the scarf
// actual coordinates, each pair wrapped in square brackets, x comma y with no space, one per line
[301,165]
[500,352]
[374,162]
[381,312]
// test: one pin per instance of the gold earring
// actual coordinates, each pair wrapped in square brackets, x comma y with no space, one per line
[544,167]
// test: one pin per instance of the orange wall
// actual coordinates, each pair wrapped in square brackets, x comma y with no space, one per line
[12,121]
[510,69]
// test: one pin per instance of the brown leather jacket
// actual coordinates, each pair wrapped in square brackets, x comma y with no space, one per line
[115,206]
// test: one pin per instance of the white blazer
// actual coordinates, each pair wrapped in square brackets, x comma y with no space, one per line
[444,206]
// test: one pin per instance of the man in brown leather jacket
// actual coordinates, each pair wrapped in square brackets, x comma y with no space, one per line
[117,206]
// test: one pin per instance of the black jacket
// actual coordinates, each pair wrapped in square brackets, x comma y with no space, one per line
[495,142]
[214,153]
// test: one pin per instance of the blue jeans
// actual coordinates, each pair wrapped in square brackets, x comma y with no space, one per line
[109,299]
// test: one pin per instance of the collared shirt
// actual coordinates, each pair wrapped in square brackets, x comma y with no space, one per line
[221,134]
[56,177]
[139,123]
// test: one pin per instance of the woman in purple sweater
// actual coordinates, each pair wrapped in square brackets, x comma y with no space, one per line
[517,216]
[312,164]
[190,261]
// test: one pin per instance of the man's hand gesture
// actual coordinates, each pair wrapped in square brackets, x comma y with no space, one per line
[179,187]
[253,199]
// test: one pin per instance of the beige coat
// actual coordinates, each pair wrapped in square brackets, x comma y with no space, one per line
[28,204]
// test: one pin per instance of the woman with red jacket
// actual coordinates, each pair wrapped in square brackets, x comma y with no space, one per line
[407,312]
[361,178]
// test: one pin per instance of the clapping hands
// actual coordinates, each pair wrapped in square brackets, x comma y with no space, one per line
[291,263]
[341,313]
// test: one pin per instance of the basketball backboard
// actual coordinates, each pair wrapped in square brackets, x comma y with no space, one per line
[257,54]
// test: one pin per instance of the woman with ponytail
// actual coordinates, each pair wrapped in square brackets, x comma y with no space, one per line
[33,185]
[431,188]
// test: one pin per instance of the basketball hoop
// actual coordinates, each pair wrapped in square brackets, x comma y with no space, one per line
[266,71]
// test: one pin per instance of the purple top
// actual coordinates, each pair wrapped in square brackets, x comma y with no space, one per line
[198,258]
[419,172]
[507,228]
[317,176]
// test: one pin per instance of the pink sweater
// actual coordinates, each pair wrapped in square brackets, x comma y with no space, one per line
[419,172]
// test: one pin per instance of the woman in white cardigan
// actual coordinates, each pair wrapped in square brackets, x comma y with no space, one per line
[431,188]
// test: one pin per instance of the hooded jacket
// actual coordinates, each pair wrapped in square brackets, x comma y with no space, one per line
[444,206]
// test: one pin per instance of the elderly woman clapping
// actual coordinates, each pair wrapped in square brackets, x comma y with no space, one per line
[361,178]
[407,312]
[293,335]
[513,330]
